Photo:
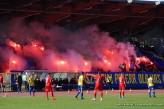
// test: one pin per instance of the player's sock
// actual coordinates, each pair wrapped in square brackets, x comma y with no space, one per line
[123,94]
[149,94]
[33,92]
[101,95]
[77,94]
[153,94]
[53,98]
[47,95]
[95,94]
[81,95]
[52,94]
[120,94]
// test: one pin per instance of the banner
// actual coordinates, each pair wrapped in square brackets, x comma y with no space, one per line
[135,80]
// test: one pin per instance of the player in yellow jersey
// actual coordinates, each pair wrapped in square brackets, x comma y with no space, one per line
[80,85]
[150,86]
[32,84]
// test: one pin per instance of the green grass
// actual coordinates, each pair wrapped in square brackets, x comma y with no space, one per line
[69,102]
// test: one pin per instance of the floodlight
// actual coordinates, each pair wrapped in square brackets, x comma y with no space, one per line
[157,2]
[129,1]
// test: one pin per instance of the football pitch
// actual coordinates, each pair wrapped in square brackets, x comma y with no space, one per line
[111,101]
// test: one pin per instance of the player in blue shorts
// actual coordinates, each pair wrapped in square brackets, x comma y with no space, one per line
[32,84]
[150,86]
[80,85]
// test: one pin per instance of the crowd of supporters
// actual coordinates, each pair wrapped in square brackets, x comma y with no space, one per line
[141,66]
[59,83]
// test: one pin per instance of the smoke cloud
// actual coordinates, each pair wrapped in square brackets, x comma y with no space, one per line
[56,48]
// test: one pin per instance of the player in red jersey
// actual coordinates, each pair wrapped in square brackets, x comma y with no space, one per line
[48,87]
[99,80]
[122,85]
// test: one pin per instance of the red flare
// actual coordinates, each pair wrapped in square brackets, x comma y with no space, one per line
[14,62]
[42,48]
[86,63]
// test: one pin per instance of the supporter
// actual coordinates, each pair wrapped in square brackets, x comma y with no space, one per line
[1,82]
[19,83]
[60,82]
[24,79]
[132,65]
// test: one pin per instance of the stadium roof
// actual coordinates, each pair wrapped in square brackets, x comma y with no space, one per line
[115,16]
